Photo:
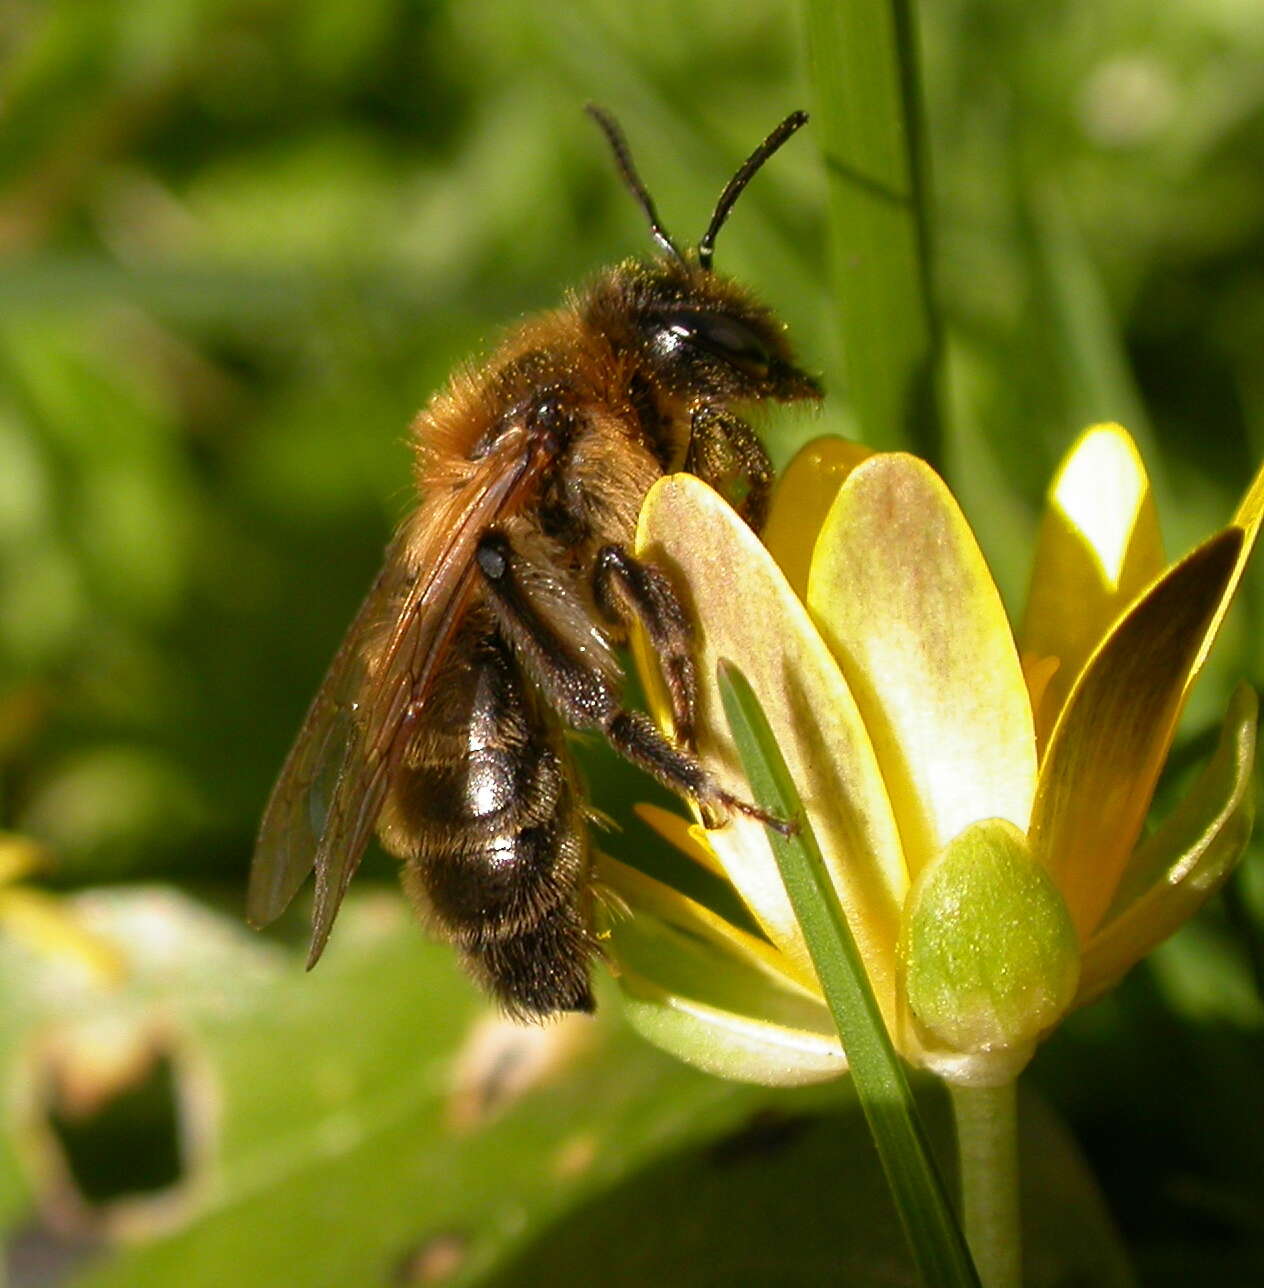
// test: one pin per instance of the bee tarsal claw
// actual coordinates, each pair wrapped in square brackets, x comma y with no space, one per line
[786,827]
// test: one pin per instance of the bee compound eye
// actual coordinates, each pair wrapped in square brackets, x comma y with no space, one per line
[719,334]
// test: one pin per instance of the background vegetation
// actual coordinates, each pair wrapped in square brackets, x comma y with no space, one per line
[240,243]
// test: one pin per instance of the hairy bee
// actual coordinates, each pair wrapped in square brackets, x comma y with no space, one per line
[495,620]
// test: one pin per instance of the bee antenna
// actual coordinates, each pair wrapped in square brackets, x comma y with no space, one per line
[733,189]
[623,159]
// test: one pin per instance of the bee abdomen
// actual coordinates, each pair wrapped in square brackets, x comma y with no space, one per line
[518,910]
[541,970]
[488,817]
[516,904]
[483,795]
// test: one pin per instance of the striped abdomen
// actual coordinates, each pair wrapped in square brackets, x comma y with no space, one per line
[486,814]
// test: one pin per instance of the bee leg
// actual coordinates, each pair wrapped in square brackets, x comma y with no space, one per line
[627,589]
[636,738]
[724,448]
[586,698]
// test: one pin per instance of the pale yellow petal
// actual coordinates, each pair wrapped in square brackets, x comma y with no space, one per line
[740,1048]
[744,611]
[711,994]
[1099,546]
[48,924]
[1106,751]
[644,896]
[904,598]
[804,493]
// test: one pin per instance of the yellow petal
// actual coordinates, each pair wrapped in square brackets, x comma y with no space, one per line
[1185,860]
[1099,547]
[805,491]
[1106,751]
[48,925]
[1249,513]
[1038,671]
[20,857]
[1247,520]
[644,895]
[712,995]
[744,611]
[688,838]
[905,600]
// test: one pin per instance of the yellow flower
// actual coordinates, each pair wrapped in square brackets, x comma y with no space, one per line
[979,800]
[42,921]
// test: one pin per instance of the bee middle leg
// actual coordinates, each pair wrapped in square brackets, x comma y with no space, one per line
[627,589]
[583,695]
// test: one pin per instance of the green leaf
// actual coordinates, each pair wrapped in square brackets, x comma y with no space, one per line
[771,1204]
[1085,338]
[368,1120]
[331,1123]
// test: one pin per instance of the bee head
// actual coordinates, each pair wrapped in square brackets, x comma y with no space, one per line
[699,333]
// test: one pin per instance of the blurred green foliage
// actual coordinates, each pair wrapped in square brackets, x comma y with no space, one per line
[242,240]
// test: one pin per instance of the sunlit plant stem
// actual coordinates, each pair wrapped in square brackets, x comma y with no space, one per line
[987,1159]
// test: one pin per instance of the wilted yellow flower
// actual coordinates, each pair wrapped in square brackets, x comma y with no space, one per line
[979,800]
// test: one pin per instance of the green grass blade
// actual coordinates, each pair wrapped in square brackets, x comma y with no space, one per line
[937,1242]
[868,122]
[1095,371]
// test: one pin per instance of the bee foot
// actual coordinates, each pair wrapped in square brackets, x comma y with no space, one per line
[786,827]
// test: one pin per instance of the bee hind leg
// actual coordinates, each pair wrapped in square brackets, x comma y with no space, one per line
[635,737]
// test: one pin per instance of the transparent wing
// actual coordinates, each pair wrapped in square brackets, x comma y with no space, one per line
[322,758]
[326,802]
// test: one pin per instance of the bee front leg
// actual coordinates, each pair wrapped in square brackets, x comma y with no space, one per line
[627,589]
[582,694]
[723,448]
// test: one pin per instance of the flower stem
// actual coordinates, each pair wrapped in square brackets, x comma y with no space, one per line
[987,1149]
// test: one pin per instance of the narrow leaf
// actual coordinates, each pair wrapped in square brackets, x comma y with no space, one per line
[935,1238]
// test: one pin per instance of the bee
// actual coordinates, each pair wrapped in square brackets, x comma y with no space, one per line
[496,619]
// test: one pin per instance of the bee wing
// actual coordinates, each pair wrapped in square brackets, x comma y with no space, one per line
[300,806]
[326,802]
